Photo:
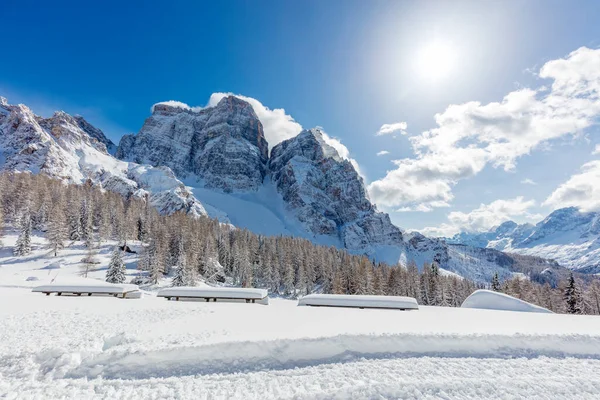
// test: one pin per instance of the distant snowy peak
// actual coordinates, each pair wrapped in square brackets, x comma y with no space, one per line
[223,146]
[71,149]
[567,235]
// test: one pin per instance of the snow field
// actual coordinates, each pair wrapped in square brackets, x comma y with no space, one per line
[101,347]
[96,347]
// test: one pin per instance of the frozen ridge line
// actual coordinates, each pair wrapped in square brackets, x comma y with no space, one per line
[283,354]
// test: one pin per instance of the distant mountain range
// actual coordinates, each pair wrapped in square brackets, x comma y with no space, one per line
[215,162]
[567,235]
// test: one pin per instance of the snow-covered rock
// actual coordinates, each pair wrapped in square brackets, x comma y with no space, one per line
[70,149]
[567,235]
[327,195]
[489,300]
[223,145]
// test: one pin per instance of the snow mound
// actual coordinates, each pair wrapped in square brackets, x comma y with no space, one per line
[488,300]
[359,301]
[54,265]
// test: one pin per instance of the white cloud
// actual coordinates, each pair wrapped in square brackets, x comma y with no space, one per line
[341,149]
[278,126]
[472,135]
[581,190]
[485,217]
[383,153]
[596,150]
[387,129]
[528,181]
[174,103]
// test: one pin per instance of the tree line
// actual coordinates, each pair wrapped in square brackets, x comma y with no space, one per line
[188,250]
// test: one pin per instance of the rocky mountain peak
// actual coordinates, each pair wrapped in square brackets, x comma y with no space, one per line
[223,146]
[326,193]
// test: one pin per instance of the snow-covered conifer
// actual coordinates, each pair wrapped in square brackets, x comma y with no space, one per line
[572,296]
[23,245]
[57,232]
[495,282]
[116,268]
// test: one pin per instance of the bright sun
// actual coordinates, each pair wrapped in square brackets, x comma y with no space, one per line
[436,60]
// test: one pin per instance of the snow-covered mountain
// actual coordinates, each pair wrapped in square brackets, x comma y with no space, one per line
[305,188]
[223,145]
[567,235]
[71,149]
[327,195]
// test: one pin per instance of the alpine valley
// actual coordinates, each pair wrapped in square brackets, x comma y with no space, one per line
[216,162]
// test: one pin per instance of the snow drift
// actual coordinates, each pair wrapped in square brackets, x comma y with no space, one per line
[488,300]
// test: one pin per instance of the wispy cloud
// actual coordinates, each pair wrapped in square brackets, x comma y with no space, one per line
[528,181]
[485,217]
[383,153]
[387,129]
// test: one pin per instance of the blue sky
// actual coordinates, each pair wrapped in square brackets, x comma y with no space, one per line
[348,66]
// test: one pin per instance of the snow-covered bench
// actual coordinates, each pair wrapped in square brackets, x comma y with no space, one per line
[125,291]
[260,296]
[359,301]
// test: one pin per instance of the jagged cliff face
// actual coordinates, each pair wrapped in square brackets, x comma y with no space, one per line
[224,146]
[326,193]
[70,149]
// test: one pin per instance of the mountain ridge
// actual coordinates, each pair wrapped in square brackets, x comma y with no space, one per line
[215,162]
[567,235]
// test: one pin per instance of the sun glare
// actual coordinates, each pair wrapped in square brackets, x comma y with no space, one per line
[436,60]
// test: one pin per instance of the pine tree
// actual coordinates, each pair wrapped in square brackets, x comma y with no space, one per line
[572,296]
[23,245]
[91,257]
[1,223]
[154,262]
[57,232]
[495,283]
[181,277]
[116,268]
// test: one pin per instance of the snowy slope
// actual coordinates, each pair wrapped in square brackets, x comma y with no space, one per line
[70,149]
[95,347]
[568,236]
[98,347]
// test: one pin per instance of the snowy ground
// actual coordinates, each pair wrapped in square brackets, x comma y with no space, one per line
[103,347]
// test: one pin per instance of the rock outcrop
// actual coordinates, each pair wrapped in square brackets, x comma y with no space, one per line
[222,146]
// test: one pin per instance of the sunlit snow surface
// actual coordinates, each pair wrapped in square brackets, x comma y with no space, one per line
[104,347]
